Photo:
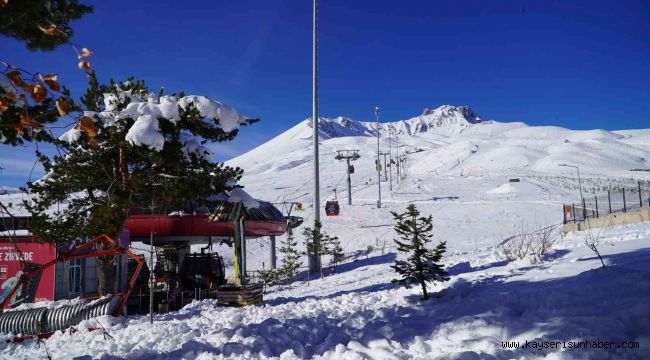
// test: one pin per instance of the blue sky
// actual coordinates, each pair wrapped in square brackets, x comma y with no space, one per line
[577,64]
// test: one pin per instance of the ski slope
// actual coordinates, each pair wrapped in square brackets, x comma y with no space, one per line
[458,170]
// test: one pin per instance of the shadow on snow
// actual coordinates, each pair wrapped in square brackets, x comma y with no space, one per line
[598,304]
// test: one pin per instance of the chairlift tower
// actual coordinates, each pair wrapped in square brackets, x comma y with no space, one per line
[348,155]
[400,163]
[384,154]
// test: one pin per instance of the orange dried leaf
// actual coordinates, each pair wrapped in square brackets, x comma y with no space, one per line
[52,30]
[53,85]
[28,88]
[14,77]
[51,81]
[4,104]
[88,126]
[85,65]
[18,128]
[38,93]
[25,121]
[63,106]
[84,53]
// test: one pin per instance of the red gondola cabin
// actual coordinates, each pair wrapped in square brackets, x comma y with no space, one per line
[332,208]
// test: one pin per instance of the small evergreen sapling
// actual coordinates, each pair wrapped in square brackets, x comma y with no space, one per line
[316,242]
[334,250]
[423,264]
[269,277]
[290,259]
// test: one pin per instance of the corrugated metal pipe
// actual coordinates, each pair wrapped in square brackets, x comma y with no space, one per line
[43,320]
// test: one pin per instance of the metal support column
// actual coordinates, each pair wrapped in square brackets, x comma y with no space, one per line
[348,155]
[273,253]
[314,259]
[390,161]
[378,161]
[609,200]
[349,182]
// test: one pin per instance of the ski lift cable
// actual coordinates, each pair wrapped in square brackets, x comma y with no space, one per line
[309,179]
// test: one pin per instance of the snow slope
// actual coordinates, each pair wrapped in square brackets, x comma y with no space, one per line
[458,171]
[451,174]
[454,140]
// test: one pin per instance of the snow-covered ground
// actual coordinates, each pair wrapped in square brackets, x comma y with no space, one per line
[460,177]
[358,314]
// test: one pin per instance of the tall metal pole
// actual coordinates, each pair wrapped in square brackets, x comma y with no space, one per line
[151,273]
[314,259]
[378,161]
[579,179]
[349,183]
[580,184]
[390,161]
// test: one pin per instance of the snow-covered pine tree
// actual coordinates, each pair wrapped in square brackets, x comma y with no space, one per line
[333,248]
[290,259]
[422,264]
[132,149]
[269,277]
[315,242]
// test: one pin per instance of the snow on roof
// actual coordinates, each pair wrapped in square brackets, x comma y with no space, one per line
[16,233]
[14,204]
[239,195]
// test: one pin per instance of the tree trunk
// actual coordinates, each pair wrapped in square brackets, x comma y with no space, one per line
[106,275]
[105,264]
[424,290]
[105,267]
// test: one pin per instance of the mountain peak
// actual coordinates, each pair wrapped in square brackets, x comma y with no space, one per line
[450,110]
[446,120]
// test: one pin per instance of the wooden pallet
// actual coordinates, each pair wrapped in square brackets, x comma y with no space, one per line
[233,295]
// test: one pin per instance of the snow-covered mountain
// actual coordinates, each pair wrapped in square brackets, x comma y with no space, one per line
[447,120]
[452,140]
